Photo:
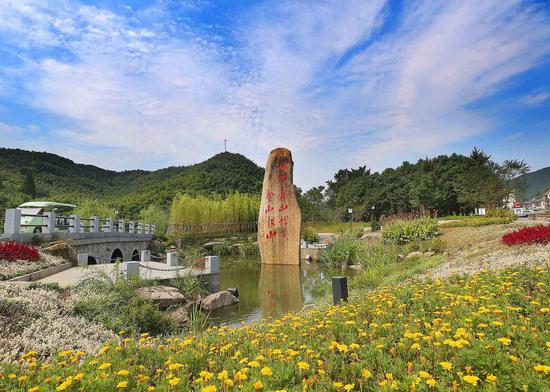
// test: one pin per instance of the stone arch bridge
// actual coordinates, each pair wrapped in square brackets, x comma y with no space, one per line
[103,240]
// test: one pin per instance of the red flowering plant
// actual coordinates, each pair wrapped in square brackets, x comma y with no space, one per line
[528,235]
[11,251]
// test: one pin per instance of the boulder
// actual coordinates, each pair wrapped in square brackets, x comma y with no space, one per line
[413,255]
[429,254]
[181,314]
[210,245]
[218,300]
[162,296]
[326,238]
[62,249]
[156,246]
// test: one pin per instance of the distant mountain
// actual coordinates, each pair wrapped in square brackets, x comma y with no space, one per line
[537,182]
[63,180]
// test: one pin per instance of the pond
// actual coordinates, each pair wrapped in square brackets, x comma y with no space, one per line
[269,290]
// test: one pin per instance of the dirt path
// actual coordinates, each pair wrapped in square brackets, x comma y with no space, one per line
[472,249]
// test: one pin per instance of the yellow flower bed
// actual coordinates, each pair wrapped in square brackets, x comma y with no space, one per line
[486,332]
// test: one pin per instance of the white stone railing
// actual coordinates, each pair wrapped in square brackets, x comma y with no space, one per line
[50,223]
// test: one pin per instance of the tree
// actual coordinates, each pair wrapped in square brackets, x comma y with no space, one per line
[511,172]
[29,187]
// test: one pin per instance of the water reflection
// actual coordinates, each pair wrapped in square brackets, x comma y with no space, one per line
[268,290]
[280,289]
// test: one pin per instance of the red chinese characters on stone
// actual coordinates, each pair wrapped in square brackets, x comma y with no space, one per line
[283,207]
[270,222]
[283,220]
[270,235]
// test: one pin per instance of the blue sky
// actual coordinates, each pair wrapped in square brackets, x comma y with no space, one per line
[145,84]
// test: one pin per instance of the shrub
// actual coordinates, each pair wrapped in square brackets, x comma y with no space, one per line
[404,231]
[249,249]
[343,252]
[11,251]
[375,225]
[309,235]
[112,301]
[503,213]
[223,249]
[477,221]
[528,235]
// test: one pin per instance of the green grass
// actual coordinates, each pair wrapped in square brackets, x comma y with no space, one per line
[336,227]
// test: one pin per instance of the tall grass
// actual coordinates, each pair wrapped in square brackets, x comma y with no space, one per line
[401,232]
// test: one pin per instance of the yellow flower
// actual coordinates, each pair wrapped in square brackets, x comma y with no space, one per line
[349,387]
[542,368]
[424,374]
[228,382]
[471,379]
[254,364]
[23,379]
[338,384]
[266,371]
[366,373]
[79,376]
[123,373]
[11,376]
[446,365]
[105,365]
[174,381]
[150,388]
[122,385]
[33,389]
[505,341]
[303,365]
[431,382]
[258,385]
[491,378]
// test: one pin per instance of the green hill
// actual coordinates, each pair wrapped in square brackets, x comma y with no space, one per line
[63,180]
[537,182]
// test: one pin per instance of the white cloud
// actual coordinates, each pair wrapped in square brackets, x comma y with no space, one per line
[535,98]
[327,79]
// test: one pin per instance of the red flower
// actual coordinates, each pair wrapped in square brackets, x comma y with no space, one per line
[12,251]
[528,235]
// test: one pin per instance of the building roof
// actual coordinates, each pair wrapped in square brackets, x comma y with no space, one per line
[44,204]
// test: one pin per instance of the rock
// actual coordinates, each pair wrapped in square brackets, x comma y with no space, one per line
[280,219]
[401,256]
[162,296]
[218,300]
[357,267]
[326,238]
[414,255]
[210,245]
[62,249]
[429,254]
[156,246]
[367,229]
[181,314]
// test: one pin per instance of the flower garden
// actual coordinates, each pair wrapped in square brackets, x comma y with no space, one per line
[18,258]
[485,332]
[528,235]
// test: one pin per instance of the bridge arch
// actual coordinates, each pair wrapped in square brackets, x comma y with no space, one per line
[117,254]
[91,260]
[135,255]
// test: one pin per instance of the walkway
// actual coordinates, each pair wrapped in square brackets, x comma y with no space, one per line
[154,270]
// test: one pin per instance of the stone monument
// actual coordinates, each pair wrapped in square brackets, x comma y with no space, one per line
[280,219]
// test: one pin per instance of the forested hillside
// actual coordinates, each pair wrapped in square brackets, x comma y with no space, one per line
[537,182]
[61,179]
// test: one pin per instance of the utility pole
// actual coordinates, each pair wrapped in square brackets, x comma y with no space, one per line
[225,144]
